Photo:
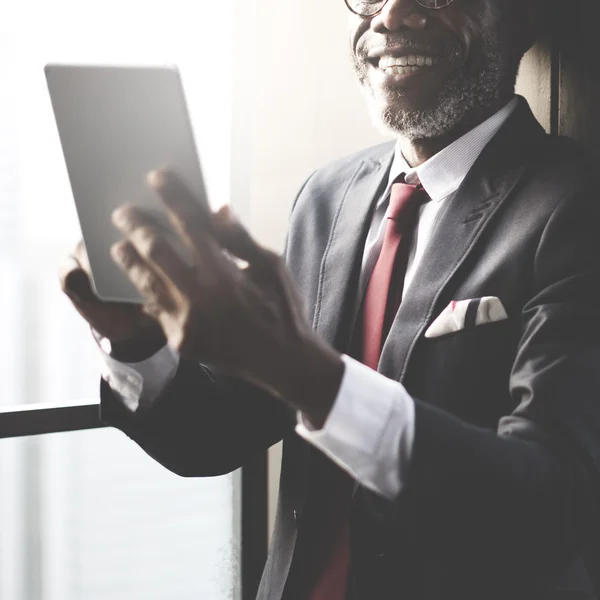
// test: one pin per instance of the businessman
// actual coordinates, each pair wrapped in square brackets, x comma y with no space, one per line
[428,348]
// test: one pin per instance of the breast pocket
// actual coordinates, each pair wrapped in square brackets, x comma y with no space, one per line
[467,372]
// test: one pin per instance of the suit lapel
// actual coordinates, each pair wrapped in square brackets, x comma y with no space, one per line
[338,279]
[489,184]
[340,268]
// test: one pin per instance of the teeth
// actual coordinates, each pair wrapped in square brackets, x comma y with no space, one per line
[387,62]
[397,70]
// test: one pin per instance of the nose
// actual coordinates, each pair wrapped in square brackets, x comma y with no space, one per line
[397,14]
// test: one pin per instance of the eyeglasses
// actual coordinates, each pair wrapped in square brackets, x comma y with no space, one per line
[370,8]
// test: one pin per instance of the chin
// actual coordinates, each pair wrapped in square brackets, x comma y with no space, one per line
[399,117]
[434,115]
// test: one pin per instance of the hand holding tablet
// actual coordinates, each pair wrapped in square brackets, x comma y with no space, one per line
[117,125]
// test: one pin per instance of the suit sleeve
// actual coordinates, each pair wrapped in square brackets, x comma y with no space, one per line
[523,497]
[203,424]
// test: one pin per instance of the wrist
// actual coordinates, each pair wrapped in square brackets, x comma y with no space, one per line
[137,349]
[314,377]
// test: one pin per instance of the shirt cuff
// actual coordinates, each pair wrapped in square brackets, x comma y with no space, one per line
[141,383]
[370,429]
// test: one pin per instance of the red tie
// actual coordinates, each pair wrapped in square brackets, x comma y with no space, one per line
[384,291]
[329,544]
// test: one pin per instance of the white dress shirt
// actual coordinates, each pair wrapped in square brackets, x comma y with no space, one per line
[370,429]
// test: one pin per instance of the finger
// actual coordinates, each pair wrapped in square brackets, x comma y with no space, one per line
[75,282]
[191,216]
[165,260]
[167,255]
[234,237]
[127,218]
[148,282]
[66,270]
[205,256]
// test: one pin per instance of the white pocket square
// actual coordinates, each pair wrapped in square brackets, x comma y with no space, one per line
[465,314]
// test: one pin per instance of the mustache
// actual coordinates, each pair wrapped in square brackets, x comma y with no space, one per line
[449,48]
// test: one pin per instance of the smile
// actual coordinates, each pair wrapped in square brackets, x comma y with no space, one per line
[403,65]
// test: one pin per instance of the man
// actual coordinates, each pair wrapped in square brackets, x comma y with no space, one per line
[461,263]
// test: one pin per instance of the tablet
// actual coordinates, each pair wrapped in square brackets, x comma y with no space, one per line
[116,124]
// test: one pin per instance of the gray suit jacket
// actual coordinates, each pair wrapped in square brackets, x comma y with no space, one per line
[500,499]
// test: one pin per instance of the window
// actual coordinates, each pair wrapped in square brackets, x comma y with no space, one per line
[87,515]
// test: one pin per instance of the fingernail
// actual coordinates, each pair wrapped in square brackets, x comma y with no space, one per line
[118,251]
[225,215]
[157,178]
[119,217]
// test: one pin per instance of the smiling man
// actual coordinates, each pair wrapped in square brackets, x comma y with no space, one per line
[428,350]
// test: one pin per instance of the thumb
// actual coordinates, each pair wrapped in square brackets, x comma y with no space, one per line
[234,238]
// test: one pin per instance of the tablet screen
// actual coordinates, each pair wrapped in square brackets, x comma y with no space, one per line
[116,124]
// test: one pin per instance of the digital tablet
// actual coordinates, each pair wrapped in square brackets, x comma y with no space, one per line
[116,124]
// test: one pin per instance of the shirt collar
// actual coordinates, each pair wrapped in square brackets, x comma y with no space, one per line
[443,173]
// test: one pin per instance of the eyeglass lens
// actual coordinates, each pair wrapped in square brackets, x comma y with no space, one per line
[368,8]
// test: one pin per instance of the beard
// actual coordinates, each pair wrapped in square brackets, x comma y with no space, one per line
[467,96]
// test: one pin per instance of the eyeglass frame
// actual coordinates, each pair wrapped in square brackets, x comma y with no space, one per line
[419,2]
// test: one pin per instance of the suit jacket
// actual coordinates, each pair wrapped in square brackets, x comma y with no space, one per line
[500,498]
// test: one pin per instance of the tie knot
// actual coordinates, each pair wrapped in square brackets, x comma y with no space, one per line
[405,197]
